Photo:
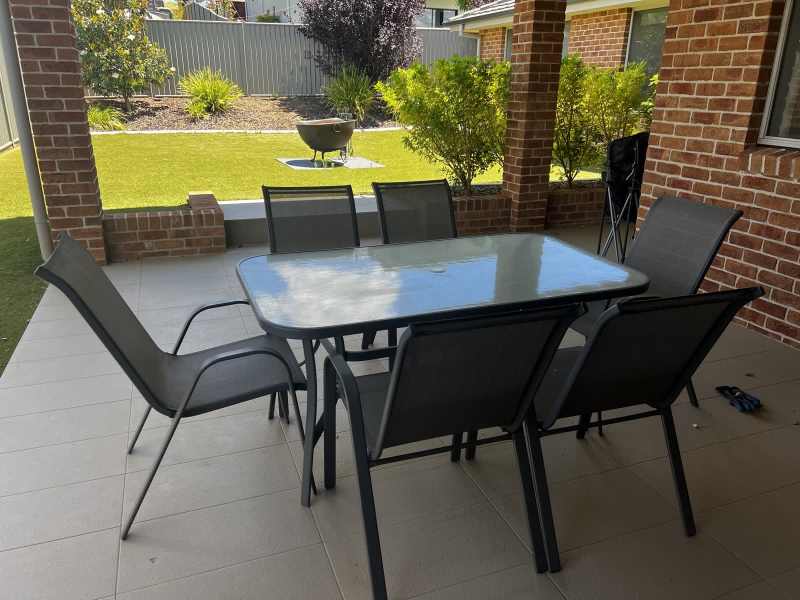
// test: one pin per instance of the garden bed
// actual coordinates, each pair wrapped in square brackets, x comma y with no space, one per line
[250,112]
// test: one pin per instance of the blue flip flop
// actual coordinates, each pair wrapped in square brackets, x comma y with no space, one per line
[740,400]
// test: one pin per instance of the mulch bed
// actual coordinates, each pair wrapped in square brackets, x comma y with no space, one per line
[254,113]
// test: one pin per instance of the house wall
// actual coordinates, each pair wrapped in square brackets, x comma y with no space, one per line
[601,38]
[716,66]
[492,43]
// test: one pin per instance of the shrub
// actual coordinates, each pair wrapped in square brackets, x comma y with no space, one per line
[573,135]
[455,113]
[117,58]
[351,91]
[209,93]
[268,18]
[614,101]
[224,8]
[105,118]
[649,103]
[375,37]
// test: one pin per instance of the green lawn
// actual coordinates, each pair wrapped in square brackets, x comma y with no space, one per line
[139,171]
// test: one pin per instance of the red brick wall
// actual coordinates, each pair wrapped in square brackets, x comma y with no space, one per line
[716,67]
[180,232]
[579,205]
[488,213]
[493,43]
[51,74]
[601,38]
[537,40]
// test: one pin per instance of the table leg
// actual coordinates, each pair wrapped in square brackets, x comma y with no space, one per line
[311,421]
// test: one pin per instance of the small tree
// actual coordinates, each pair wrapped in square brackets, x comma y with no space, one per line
[376,37]
[614,100]
[573,139]
[117,57]
[350,92]
[455,113]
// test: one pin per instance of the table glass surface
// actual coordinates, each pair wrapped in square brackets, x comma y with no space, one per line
[309,294]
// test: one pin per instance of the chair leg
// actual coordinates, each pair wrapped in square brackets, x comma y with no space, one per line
[283,398]
[472,437]
[271,413]
[692,394]
[376,574]
[455,451]
[176,419]
[542,495]
[681,489]
[368,339]
[331,397]
[139,429]
[534,525]
[583,425]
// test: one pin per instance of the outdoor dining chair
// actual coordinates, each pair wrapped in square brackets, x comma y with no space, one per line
[641,353]
[175,385]
[448,377]
[413,211]
[305,219]
[674,247]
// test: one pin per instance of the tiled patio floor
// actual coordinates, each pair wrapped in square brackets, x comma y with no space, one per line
[223,519]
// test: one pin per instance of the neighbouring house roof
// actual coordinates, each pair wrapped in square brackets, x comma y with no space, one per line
[501,12]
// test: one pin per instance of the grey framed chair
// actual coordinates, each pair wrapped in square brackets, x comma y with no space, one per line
[448,377]
[304,219]
[413,211]
[674,247]
[175,385]
[641,353]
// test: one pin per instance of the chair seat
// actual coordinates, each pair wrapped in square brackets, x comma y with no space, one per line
[233,381]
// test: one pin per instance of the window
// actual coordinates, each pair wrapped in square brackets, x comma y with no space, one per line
[781,125]
[565,43]
[509,42]
[647,38]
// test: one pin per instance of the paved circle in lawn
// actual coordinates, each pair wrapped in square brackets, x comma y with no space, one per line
[354,162]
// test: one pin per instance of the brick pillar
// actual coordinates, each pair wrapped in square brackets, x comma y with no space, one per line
[51,73]
[536,60]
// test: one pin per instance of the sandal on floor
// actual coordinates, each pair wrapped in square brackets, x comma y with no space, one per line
[741,401]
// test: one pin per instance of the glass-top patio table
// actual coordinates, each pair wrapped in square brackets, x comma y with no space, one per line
[313,295]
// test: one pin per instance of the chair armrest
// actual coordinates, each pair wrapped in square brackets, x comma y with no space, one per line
[196,312]
[347,380]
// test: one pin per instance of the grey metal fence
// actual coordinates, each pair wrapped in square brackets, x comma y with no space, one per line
[272,59]
[8,125]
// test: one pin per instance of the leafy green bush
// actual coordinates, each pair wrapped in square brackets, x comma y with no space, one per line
[117,58]
[614,100]
[209,91]
[455,112]
[105,118]
[649,103]
[573,136]
[351,91]
[268,18]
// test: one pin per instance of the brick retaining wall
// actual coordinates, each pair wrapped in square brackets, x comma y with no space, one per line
[183,231]
[580,205]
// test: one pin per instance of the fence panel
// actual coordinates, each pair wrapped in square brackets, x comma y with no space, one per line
[267,58]
[8,125]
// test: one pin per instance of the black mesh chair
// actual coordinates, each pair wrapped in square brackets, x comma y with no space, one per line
[304,219]
[176,386]
[642,352]
[413,211]
[448,377]
[674,247]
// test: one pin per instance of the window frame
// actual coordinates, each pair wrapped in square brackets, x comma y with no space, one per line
[630,30]
[763,137]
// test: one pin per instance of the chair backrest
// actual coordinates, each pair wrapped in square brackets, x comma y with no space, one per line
[303,219]
[642,351]
[469,374]
[415,211]
[677,243]
[73,270]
